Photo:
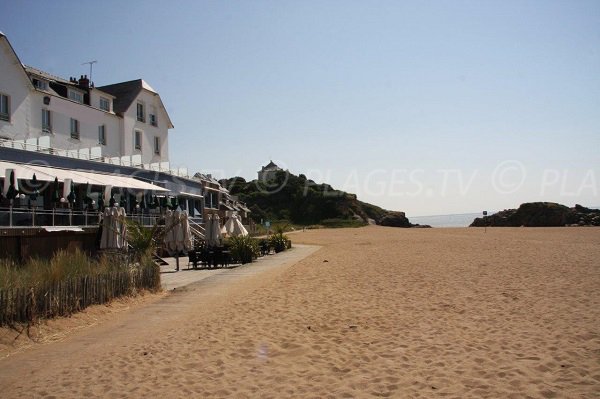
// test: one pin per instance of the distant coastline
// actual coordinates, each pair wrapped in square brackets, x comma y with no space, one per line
[451,220]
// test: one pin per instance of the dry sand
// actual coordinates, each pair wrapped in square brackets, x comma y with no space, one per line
[375,312]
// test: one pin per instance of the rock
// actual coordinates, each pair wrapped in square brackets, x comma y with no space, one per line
[421,226]
[395,219]
[541,214]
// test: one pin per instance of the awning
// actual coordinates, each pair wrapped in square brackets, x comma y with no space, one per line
[47,173]
[55,229]
[191,195]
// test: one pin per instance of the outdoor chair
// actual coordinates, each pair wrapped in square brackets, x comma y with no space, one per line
[221,257]
[205,257]
[193,258]
[264,248]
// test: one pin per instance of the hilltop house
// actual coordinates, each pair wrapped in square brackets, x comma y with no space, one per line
[268,172]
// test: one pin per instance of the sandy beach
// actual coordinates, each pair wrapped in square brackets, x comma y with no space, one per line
[376,312]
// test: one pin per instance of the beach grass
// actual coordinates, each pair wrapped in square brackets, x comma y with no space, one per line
[62,266]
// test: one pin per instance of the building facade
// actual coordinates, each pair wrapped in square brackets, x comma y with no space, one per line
[98,143]
[124,123]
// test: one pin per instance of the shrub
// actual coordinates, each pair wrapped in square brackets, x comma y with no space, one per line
[64,265]
[244,248]
[143,240]
[279,242]
[69,282]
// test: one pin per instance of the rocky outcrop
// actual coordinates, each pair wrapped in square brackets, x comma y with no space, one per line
[398,219]
[395,219]
[541,214]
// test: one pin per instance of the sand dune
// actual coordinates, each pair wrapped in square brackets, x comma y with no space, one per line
[377,312]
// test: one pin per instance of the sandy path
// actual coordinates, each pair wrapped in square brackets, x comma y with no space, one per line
[158,319]
[376,312]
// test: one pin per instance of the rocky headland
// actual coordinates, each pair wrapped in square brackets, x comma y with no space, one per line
[541,214]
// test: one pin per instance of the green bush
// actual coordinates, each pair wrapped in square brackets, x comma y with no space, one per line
[143,240]
[244,249]
[279,242]
[299,200]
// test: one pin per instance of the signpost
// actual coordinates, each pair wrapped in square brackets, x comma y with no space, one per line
[485,221]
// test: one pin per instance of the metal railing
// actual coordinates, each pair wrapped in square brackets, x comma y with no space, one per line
[62,217]
[23,217]
[88,154]
[198,231]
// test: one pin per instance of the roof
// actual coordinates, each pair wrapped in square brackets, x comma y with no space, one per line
[206,178]
[46,75]
[244,208]
[146,86]
[126,92]
[271,165]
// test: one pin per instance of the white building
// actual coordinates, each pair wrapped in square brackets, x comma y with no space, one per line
[268,172]
[108,142]
[123,123]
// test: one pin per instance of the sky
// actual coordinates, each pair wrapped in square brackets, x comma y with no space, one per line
[426,107]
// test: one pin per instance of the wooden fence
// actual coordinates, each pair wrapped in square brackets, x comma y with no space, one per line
[25,305]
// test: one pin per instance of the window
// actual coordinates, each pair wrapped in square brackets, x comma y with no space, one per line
[141,116]
[153,121]
[74,129]
[40,84]
[102,134]
[4,108]
[157,145]
[137,140]
[104,104]
[46,121]
[75,96]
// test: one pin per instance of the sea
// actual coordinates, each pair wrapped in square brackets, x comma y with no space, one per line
[454,220]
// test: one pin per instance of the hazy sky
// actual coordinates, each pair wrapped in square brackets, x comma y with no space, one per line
[429,107]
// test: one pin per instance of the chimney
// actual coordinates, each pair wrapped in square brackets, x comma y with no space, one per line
[84,82]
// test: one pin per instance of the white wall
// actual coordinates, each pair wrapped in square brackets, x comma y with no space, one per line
[89,118]
[14,83]
[26,104]
[131,124]
[95,95]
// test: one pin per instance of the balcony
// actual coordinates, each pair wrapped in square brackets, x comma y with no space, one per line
[42,145]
